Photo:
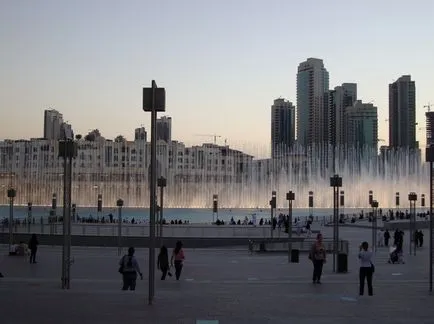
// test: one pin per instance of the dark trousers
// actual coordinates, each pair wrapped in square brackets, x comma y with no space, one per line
[129,280]
[178,269]
[365,273]
[33,256]
[386,241]
[317,270]
[164,272]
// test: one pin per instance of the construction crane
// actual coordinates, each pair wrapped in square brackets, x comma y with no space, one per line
[214,136]
[428,106]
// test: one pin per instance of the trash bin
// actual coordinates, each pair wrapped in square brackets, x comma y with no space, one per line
[295,255]
[342,263]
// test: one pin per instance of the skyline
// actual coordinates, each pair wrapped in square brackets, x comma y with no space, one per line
[215,60]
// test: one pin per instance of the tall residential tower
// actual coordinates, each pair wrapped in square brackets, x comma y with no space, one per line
[282,127]
[312,103]
[402,113]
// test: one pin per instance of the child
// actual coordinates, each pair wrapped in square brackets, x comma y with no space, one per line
[163,262]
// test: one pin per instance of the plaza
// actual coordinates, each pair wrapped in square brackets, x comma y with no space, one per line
[225,285]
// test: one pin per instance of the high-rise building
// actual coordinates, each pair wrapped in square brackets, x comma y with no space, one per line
[339,99]
[164,129]
[402,113]
[361,121]
[53,121]
[140,134]
[312,103]
[282,127]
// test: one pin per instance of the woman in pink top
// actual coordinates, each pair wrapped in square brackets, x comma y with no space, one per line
[178,256]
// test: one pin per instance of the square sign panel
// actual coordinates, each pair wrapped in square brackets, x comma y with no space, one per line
[160,99]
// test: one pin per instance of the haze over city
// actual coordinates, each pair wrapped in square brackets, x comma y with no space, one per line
[222,63]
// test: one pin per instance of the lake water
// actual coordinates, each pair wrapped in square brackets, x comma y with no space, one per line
[193,215]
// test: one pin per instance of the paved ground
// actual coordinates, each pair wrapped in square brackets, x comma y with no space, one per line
[225,285]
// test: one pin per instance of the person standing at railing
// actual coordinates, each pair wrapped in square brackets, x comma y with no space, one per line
[318,257]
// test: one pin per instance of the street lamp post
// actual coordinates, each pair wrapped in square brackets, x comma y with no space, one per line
[290,196]
[67,151]
[99,205]
[272,207]
[11,195]
[154,100]
[397,204]
[161,183]
[374,206]
[53,214]
[29,216]
[412,198]
[335,183]
[215,208]
[342,201]
[370,197]
[310,203]
[119,203]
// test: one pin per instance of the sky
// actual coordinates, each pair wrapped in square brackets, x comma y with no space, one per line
[222,62]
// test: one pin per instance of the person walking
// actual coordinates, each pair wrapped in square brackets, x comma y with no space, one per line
[163,262]
[129,268]
[33,247]
[366,269]
[179,257]
[318,257]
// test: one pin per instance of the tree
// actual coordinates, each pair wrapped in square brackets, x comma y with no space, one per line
[120,139]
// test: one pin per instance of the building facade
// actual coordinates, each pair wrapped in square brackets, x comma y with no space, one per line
[164,129]
[402,113]
[282,127]
[339,99]
[361,121]
[312,103]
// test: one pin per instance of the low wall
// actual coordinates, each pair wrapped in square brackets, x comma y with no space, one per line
[112,241]
[405,225]
[142,230]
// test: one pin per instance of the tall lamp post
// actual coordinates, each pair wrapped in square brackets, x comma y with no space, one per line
[11,195]
[412,198]
[161,183]
[29,216]
[397,204]
[119,204]
[290,196]
[67,151]
[215,208]
[374,206]
[310,203]
[335,183]
[154,100]
[370,197]
[272,207]
[342,201]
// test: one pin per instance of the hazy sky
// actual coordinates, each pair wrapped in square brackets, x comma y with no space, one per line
[222,62]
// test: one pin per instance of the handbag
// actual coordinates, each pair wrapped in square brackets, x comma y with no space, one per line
[372,267]
[121,267]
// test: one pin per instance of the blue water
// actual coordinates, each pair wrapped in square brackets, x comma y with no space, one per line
[193,215]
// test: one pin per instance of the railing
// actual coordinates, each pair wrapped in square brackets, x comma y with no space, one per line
[138,230]
[301,245]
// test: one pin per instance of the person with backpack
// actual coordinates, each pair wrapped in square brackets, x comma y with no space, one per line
[129,268]
[178,256]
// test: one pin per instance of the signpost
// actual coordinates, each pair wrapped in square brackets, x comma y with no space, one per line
[154,100]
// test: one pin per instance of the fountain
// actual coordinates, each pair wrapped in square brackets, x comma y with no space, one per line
[246,183]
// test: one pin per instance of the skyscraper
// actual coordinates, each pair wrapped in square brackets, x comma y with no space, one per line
[312,103]
[402,113]
[140,134]
[361,121]
[164,129]
[339,99]
[282,127]
[53,121]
